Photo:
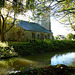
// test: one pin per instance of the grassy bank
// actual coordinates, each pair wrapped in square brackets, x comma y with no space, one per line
[35,47]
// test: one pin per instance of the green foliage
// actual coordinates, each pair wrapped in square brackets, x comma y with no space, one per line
[6,51]
[2,3]
[50,70]
[70,36]
[37,46]
[73,27]
[7,7]
[65,12]
[30,4]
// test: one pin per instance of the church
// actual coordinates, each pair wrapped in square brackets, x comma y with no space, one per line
[25,30]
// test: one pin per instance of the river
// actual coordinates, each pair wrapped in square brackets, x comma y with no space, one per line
[39,60]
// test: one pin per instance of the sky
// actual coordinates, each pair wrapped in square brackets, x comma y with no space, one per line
[56,27]
[59,29]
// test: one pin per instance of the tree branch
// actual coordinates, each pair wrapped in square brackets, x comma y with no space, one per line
[12,24]
[6,16]
[0,20]
[68,10]
[3,23]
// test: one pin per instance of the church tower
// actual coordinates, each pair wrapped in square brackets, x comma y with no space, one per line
[46,22]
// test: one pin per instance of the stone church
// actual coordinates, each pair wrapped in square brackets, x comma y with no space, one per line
[25,30]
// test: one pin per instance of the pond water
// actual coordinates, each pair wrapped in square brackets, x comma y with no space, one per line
[67,59]
[40,60]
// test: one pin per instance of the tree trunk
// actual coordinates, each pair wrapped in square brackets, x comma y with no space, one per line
[2,37]
[2,28]
[0,23]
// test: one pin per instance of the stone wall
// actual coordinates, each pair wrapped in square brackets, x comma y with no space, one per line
[22,35]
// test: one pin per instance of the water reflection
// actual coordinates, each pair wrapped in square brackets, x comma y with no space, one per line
[17,63]
[3,67]
[67,59]
[14,64]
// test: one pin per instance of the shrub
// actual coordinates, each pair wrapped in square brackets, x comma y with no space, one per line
[50,70]
[6,51]
[37,46]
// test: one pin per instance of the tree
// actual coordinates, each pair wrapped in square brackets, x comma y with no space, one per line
[7,8]
[70,36]
[62,10]
[65,13]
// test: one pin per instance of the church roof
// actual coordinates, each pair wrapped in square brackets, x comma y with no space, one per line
[30,26]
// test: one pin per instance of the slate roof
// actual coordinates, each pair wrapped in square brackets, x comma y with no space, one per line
[30,26]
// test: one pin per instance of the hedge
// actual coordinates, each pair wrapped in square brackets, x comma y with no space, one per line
[40,46]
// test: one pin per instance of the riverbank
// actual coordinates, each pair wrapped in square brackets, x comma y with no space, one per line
[35,47]
[50,70]
[32,48]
